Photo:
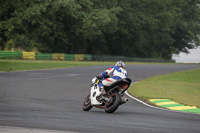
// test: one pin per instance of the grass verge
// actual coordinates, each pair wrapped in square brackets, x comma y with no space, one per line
[20,65]
[183,87]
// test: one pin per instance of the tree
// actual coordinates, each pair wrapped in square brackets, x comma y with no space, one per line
[186,28]
[139,28]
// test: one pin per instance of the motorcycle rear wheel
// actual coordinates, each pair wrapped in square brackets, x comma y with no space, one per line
[87,103]
[112,107]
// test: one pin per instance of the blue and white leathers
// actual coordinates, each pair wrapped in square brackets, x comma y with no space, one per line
[116,73]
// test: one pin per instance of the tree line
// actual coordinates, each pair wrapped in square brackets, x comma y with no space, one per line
[133,28]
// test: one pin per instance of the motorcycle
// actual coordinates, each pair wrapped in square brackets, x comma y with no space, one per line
[111,100]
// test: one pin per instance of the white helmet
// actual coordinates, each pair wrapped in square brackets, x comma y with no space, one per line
[120,64]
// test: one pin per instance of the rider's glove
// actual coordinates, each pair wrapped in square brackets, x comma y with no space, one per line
[102,75]
[99,77]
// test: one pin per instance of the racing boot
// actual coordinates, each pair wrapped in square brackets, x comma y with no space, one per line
[103,95]
[103,92]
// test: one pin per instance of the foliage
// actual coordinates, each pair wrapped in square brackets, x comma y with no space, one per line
[9,45]
[139,28]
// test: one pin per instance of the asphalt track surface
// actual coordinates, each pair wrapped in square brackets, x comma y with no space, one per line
[52,99]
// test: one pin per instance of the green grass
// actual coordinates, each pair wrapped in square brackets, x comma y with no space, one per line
[182,87]
[20,65]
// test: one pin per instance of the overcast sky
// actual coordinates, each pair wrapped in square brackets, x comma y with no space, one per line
[192,57]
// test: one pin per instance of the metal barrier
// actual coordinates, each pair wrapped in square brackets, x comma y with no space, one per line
[79,57]
[10,55]
[58,56]
[28,55]
[73,57]
[43,56]
[123,58]
[87,57]
[69,57]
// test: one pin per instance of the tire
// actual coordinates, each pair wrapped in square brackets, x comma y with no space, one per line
[115,104]
[87,103]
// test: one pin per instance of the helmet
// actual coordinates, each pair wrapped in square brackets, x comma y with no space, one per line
[120,64]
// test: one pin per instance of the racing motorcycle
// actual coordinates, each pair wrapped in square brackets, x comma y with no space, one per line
[111,100]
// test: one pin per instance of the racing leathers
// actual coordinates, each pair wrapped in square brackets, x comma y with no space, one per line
[116,73]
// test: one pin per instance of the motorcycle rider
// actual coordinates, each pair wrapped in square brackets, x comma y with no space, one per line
[118,72]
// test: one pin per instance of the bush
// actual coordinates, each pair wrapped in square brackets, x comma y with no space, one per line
[24,43]
[9,45]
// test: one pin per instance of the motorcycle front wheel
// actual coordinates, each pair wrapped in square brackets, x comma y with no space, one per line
[112,107]
[87,103]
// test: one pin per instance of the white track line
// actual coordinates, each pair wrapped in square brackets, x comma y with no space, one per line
[136,99]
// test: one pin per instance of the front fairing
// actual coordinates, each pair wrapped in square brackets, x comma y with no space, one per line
[94,92]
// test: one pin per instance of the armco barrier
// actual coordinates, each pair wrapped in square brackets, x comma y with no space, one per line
[87,57]
[107,58]
[123,58]
[28,55]
[69,57]
[72,57]
[10,55]
[58,56]
[79,57]
[43,56]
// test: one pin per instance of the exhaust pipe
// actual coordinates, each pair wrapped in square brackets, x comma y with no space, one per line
[124,100]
